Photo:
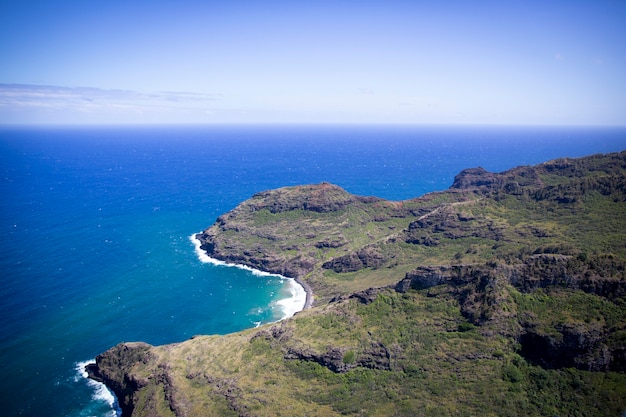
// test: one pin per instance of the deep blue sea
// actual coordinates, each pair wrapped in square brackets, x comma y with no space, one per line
[95,222]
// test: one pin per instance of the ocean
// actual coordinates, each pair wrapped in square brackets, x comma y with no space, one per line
[96,225]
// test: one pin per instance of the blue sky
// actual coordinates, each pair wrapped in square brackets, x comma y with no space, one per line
[436,62]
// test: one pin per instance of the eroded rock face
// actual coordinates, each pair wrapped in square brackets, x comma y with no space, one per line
[367,257]
[331,359]
[481,292]
[290,266]
[572,346]
[296,230]
[475,178]
[340,360]
[320,198]
[450,224]
[429,276]
[536,271]
[268,243]
[511,181]
[114,369]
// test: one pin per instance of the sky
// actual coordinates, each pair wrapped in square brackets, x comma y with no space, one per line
[534,62]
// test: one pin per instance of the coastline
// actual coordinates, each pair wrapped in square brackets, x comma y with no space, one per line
[308,303]
[101,393]
[300,299]
[302,295]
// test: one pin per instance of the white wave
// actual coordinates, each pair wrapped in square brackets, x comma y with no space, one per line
[202,255]
[294,302]
[100,392]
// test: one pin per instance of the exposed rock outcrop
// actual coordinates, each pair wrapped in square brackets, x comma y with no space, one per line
[448,223]
[114,368]
[367,257]
[320,198]
[476,178]
[268,251]
[581,345]
[481,291]
[340,360]
[517,253]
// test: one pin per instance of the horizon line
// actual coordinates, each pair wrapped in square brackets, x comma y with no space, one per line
[302,124]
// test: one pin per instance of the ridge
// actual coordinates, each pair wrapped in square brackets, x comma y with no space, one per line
[503,295]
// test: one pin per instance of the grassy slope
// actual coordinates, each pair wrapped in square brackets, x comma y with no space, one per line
[432,360]
[440,365]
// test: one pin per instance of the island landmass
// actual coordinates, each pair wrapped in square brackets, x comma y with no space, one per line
[504,295]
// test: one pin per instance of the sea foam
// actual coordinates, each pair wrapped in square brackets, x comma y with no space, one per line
[295,299]
[101,393]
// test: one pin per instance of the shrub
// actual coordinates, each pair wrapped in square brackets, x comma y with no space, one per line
[349,357]
[466,327]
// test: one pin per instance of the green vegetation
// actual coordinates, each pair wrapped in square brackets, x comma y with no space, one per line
[434,364]
[504,296]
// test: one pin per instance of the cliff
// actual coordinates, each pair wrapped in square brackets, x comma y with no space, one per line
[281,231]
[504,295]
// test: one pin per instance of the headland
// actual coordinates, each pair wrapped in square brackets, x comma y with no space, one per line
[503,295]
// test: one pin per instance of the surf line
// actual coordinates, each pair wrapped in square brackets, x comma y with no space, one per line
[100,392]
[300,298]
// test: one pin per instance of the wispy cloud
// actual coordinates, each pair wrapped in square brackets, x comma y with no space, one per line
[92,99]
[366,91]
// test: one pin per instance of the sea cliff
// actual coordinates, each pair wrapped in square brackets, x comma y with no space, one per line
[504,295]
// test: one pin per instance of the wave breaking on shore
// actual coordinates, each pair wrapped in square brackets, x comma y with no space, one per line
[101,395]
[296,299]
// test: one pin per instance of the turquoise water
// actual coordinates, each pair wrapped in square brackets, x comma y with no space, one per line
[96,225]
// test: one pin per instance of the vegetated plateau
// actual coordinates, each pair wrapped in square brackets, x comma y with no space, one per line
[502,296]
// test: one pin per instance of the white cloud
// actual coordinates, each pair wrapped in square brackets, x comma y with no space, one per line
[105,105]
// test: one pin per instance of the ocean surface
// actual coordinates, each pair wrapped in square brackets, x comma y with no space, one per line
[96,225]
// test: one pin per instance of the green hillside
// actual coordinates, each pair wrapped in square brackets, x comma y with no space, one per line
[504,295]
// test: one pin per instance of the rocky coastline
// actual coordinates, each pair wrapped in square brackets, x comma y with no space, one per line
[517,278]
[209,250]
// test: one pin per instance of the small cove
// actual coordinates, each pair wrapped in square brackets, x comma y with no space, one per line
[96,225]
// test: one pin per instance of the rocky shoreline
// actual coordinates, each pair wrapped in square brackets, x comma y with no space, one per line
[204,244]
[511,280]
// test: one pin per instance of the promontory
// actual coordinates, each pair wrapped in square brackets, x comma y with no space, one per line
[504,295]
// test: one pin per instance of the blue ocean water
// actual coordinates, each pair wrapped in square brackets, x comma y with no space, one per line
[95,224]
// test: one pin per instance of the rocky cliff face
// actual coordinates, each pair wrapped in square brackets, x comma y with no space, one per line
[115,367]
[280,231]
[482,294]
[537,271]
[533,259]
[146,385]
[320,198]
